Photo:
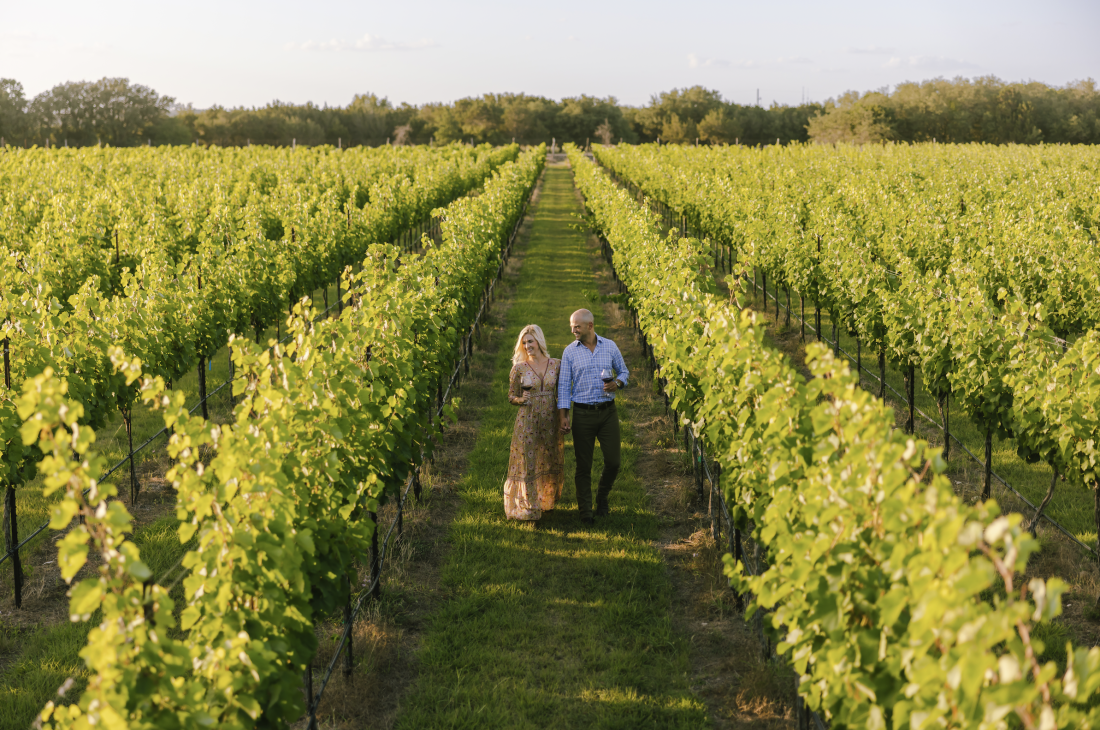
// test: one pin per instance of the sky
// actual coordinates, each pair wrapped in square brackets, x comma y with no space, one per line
[418,51]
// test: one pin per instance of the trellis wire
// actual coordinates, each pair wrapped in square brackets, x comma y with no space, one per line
[314,700]
[1057,525]
[700,469]
[13,553]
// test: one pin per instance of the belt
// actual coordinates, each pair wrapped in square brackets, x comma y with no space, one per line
[594,406]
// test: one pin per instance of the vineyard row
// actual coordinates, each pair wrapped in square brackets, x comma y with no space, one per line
[874,568]
[179,304]
[328,427]
[970,265]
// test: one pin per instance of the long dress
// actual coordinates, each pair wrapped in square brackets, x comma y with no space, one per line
[536,469]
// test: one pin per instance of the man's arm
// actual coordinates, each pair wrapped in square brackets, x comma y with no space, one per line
[620,367]
[563,420]
[565,390]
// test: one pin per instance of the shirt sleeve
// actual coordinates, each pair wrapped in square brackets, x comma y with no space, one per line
[565,381]
[620,367]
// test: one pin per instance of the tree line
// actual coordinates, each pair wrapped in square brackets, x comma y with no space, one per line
[986,109]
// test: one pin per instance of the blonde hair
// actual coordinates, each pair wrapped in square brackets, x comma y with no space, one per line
[519,355]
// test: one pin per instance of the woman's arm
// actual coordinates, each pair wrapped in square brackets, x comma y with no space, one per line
[516,396]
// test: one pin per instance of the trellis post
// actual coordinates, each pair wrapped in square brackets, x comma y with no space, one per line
[10,511]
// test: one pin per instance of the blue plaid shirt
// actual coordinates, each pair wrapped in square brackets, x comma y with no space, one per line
[579,376]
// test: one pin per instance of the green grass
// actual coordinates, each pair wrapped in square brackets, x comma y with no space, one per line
[1070,506]
[559,625]
[49,657]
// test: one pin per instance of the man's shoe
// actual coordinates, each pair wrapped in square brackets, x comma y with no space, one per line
[588,520]
[602,510]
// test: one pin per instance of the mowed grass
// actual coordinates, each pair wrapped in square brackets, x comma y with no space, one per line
[559,625]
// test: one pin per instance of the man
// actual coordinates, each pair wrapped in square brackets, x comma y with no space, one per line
[594,413]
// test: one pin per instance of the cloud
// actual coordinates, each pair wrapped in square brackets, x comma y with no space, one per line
[704,62]
[367,43]
[870,51]
[24,39]
[940,63]
[695,61]
[23,43]
[931,63]
[93,47]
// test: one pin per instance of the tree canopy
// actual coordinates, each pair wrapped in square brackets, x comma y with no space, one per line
[984,109]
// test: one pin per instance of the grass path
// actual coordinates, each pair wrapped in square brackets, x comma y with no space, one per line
[561,625]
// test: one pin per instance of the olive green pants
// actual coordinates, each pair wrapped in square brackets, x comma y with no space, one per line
[588,427]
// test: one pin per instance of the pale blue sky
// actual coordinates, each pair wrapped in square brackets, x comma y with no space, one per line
[237,53]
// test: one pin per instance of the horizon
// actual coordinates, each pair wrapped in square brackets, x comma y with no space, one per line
[246,55]
[177,106]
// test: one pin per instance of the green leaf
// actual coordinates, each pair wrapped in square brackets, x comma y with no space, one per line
[85,598]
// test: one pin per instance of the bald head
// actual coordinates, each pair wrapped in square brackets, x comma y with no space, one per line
[583,326]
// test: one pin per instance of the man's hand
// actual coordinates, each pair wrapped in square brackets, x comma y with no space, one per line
[563,421]
[611,387]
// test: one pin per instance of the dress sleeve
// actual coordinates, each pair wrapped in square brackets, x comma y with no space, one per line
[515,388]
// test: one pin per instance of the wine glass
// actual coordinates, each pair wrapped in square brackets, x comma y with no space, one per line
[606,375]
[528,381]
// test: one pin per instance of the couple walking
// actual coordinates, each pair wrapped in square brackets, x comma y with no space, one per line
[587,376]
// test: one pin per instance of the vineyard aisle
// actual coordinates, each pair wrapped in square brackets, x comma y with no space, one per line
[561,625]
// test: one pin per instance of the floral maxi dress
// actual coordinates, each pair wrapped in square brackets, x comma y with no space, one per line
[536,470]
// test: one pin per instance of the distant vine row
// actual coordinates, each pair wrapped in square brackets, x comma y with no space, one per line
[282,500]
[875,568]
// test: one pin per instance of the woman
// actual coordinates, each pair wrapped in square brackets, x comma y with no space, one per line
[536,470]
